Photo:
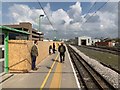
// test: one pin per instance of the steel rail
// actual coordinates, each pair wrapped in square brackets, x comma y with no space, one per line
[98,79]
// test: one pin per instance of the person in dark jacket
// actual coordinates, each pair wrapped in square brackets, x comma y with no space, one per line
[62,51]
[34,54]
[50,49]
[54,48]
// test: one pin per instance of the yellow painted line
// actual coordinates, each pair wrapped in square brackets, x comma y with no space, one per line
[56,80]
[60,77]
[46,78]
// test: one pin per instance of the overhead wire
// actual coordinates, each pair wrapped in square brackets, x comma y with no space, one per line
[90,9]
[94,13]
[46,15]
[84,16]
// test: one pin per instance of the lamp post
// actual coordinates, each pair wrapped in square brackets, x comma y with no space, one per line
[39,20]
[39,26]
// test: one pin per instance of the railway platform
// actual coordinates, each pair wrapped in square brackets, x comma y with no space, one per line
[50,74]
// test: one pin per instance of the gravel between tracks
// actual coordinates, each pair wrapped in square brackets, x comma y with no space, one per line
[110,75]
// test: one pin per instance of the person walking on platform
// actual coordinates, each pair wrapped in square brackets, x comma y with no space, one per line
[53,48]
[34,54]
[50,49]
[62,51]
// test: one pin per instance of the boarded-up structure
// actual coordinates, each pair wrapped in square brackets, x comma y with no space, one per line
[19,54]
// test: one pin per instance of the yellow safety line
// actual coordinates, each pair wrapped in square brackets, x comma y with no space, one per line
[60,77]
[46,78]
[56,80]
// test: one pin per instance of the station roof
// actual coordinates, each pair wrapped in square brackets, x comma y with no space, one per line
[13,30]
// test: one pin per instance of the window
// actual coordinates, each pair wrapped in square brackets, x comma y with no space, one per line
[2,67]
[17,36]
[1,39]
[1,46]
[1,53]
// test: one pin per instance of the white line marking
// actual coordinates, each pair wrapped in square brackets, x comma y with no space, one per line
[73,70]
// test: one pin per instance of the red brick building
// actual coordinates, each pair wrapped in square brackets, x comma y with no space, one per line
[26,26]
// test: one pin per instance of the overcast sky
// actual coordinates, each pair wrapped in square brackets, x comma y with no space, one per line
[66,17]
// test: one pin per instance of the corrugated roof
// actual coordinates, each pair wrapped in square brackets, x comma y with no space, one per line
[13,30]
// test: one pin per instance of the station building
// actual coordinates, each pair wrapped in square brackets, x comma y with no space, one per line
[27,27]
[6,34]
[87,41]
[21,31]
[84,40]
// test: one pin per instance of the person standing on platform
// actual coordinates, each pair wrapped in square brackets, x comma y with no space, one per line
[53,48]
[50,49]
[62,51]
[34,54]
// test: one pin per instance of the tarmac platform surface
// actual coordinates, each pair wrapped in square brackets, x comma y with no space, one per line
[50,74]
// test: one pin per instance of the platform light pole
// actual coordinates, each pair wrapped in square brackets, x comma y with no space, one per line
[39,25]
[39,20]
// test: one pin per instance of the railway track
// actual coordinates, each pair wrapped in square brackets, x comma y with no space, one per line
[103,50]
[90,79]
[108,50]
